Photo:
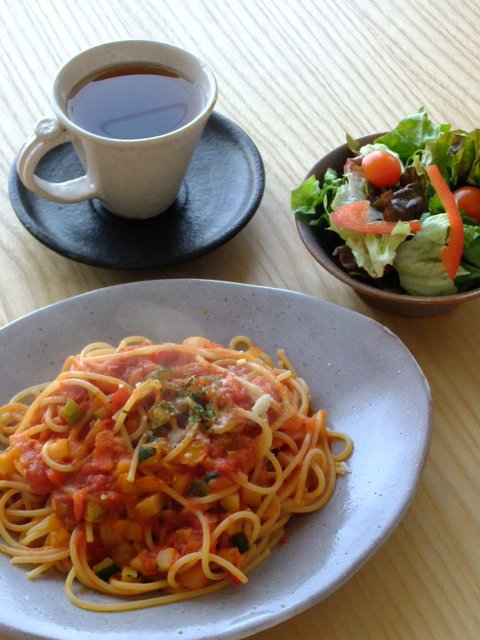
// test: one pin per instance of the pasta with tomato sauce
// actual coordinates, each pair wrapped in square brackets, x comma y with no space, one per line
[160,472]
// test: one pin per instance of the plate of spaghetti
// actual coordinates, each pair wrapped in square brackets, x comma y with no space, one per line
[191,465]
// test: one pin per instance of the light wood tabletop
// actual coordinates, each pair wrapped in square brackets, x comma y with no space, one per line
[296,76]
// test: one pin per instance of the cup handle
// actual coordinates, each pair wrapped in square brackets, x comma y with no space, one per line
[48,134]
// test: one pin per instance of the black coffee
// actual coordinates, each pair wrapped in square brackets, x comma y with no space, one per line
[134,101]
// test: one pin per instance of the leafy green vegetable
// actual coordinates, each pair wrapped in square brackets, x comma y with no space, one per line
[457,155]
[353,189]
[471,247]
[353,144]
[412,134]
[203,414]
[468,278]
[373,252]
[312,199]
[418,261]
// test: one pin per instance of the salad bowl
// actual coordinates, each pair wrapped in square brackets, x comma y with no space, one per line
[321,244]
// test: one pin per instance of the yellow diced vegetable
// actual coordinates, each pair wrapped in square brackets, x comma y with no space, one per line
[251,498]
[123,466]
[180,483]
[230,502]
[6,463]
[129,574]
[133,531]
[59,449]
[193,578]
[150,506]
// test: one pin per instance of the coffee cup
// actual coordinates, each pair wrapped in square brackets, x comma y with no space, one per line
[134,111]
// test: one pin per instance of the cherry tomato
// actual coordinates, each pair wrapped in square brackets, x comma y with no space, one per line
[381,168]
[468,199]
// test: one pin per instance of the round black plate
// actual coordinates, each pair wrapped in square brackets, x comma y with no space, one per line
[221,192]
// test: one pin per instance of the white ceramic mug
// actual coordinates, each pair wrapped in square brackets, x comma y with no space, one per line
[136,178]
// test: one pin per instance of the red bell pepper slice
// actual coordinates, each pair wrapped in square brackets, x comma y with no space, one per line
[451,254]
[354,217]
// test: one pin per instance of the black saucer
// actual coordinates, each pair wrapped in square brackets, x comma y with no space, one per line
[221,192]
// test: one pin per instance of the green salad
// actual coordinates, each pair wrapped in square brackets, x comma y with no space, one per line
[405,213]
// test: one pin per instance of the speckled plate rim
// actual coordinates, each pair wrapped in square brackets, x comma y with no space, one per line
[369,383]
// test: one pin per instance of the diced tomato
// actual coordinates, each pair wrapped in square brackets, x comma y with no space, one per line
[236,391]
[37,478]
[79,497]
[220,483]
[232,454]
[145,561]
[119,398]
[40,477]
[185,540]
[57,478]
[106,452]
[294,425]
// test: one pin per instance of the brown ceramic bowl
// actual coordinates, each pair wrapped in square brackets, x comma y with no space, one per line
[320,246]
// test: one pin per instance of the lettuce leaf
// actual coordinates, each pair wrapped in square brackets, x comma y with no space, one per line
[457,155]
[314,200]
[374,252]
[468,278]
[418,261]
[412,134]
[353,189]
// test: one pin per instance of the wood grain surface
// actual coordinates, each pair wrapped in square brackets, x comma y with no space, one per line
[296,76]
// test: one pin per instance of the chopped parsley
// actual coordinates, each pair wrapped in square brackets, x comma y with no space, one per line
[160,374]
[145,453]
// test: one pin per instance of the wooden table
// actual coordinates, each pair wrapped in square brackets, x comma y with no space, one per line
[296,76]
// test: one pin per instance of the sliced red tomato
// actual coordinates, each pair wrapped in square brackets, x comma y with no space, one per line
[354,217]
[381,168]
[468,199]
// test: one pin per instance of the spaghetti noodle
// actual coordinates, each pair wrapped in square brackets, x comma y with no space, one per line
[160,472]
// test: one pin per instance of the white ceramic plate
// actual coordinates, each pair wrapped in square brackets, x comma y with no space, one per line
[357,369]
